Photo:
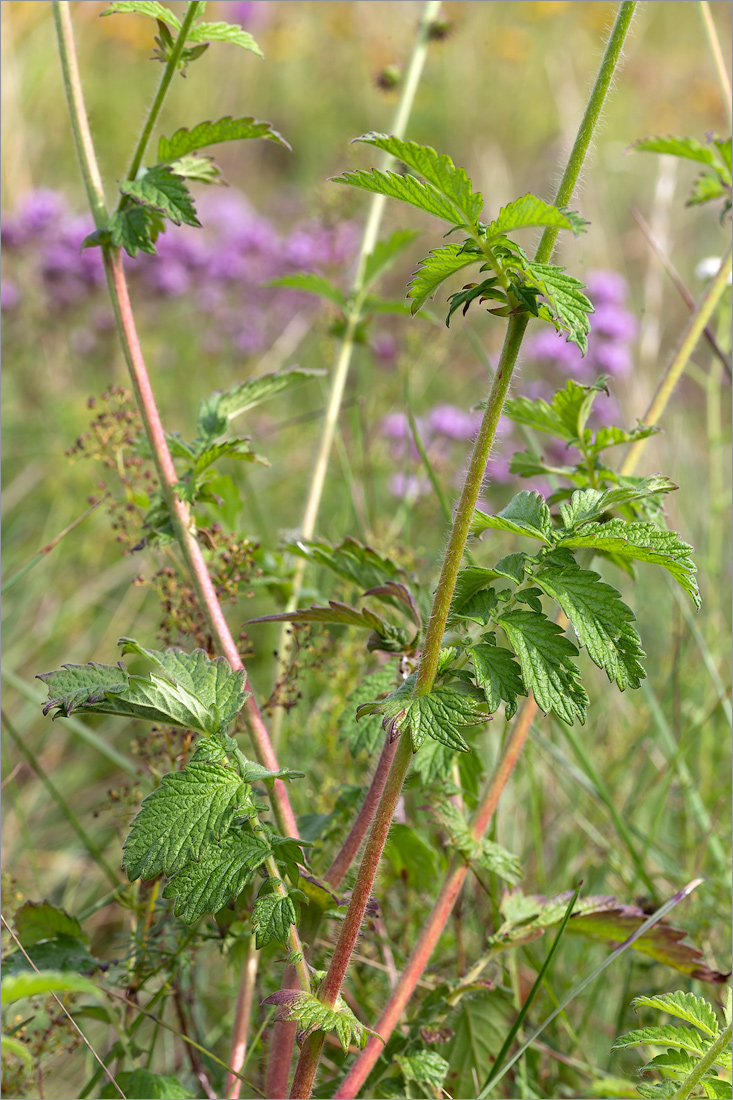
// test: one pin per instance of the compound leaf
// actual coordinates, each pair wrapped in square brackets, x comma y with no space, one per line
[208,884]
[601,620]
[640,541]
[189,811]
[545,656]
[164,191]
[525,514]
[188,140]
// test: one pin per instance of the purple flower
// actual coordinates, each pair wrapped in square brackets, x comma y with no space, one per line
[384,347]
[248,13]
[613,321]
[551,346]
[452,422]
[612,358]
[169,277]
[9,295]
[39,210]
[408,486]
[395,426]
[606,288]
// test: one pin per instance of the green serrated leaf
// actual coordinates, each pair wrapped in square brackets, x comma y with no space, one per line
[471,580]
[352,560]
[164,191]
[525,514]
[707,188]
[189,811]
[479,608]
[384,254]
[390,638]
[141,1084]
[561,417]
[130,229]
[717,1088]
[499,675]
[666,1035]
[224,32]
[640,541]
[434,269]
[39,920]
[545,656]
[424,1066]
[312,1015]
[312,283]
[144,7]
[685,1006]
[661,1090]
[588,504]
[567,307]
[672,1061]
[220,874]
[689,148]
[199,168]
[438,715]
[219,408]
[434,763]
[601,620]
[530,211]
[405,188]
[272,916]
[365,735]
[188,140]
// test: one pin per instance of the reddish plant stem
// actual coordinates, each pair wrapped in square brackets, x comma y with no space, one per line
[440,912]
[190,548]
[349,849]
[233,1085]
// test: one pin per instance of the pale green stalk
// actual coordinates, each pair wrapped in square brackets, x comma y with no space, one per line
[720,70]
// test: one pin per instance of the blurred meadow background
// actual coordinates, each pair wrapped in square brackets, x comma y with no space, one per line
[646,781]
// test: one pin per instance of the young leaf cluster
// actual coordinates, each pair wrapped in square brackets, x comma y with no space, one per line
[714,182]
[693,1053]
[431,182]
[312,1015]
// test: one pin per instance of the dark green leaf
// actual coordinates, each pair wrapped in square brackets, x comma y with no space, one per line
[479,1024]
[601,620]
[424,1066]
[479,608]
[190,811]
[567,307]
[438,715]
[499,675]
[39,920]
[211,133]
[545,656]
[272,916]
[353,561]
[63,952]
[410,855]
[434,763]
[130,229]
[438,265]
[221,873]
[164,191]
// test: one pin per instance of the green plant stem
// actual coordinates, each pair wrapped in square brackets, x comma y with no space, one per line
[681,356]
[353,319]
[169,71]
[180,516]
[708,1060]
[62,804]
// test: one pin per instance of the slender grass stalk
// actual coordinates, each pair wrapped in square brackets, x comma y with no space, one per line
[353,318]
[680,357]
[721,72]
[640,931]
[708,1060]
[179,513]
[62,804]
[32,562]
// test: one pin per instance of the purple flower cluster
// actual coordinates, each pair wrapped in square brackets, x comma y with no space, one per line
[613,329]
[220,270]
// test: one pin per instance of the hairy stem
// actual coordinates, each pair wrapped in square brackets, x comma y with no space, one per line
[180,516]
[681,356]
[708,1060]
[169,70]
[353,319]
[440,912]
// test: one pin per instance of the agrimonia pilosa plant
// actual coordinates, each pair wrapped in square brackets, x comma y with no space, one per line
[219,834]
